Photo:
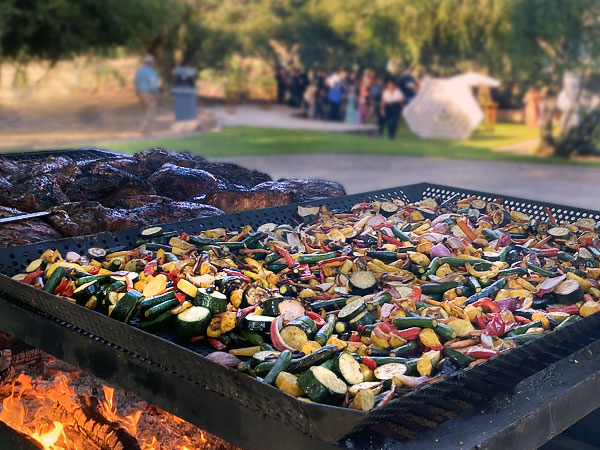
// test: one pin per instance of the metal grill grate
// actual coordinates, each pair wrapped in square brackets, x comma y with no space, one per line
[402,418]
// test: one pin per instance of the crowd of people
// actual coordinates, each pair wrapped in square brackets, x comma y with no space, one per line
[352,97]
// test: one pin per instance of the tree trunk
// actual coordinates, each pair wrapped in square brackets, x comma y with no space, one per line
[547,142]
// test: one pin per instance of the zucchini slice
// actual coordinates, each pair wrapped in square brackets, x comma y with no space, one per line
[215,301]
[559,232]
[362,282]
[193,322]
[588,223]
[83,293]
[350,369]
[265,355]
[375,386]
[435,312]
[258,324]
[308,213]
[126,306]
[352,309]
[152,232]
[501,217]
[388,208]
[96,253]
[389,371]
[322,385]
[299,331]
[569,292]
[35,265]
[519,217]
[478,204]
[255,294]
[364,318]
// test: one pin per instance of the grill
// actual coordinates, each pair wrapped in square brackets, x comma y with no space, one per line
[239,408]
[82,154]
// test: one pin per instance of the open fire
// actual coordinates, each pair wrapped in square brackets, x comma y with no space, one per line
[75,411]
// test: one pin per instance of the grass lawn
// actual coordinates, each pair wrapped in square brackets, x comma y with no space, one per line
[246,141]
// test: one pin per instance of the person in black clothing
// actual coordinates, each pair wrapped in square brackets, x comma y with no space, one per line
[282,79]
[408,86]
[376,93]
[391,107]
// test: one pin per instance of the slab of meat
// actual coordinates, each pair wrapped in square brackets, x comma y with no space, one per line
[130,202]
[36,194]
[182,183]
[304,188]
[97,180]
[25,231]
[234,176]
[236,201]
[152,160]
[78,218]
[172,211]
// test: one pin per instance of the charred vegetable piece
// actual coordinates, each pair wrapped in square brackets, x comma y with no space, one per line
[322,385]
[362,282]
[126,306]
[193,322]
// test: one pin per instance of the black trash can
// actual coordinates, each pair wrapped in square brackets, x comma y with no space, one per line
[185,93]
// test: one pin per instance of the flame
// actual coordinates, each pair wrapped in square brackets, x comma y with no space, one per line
[29,407]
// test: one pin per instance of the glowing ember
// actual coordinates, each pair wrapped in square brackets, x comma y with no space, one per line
[52,413]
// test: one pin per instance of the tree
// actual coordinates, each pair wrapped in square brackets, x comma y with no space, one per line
[547,38]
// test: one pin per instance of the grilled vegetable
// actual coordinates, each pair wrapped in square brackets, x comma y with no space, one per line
[193,322]
[363,282]
[322,385]
[215,301]
[568,292]
[126,306]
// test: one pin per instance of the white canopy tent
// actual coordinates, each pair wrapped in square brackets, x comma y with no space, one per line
[445,108]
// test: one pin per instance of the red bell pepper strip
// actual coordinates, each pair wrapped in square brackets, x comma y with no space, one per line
[61,286]
[286,256]
[571,309]
[184,236]
[380,226]
[481,352]
[321,275]
[173,275]
[548,252]
[496,326]
[522,320]
[180,296]
[481,323]
[354,337]
[94,271]
[235,273]
[416,293]
[68,291]
[332,260]
[324,247]
[410,334]
[217,345]
[385,327]
[317,319]
[391,240]
[196,338]
[369,362]
[487,303]
[32,276]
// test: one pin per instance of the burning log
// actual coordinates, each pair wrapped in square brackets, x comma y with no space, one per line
[73,410]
